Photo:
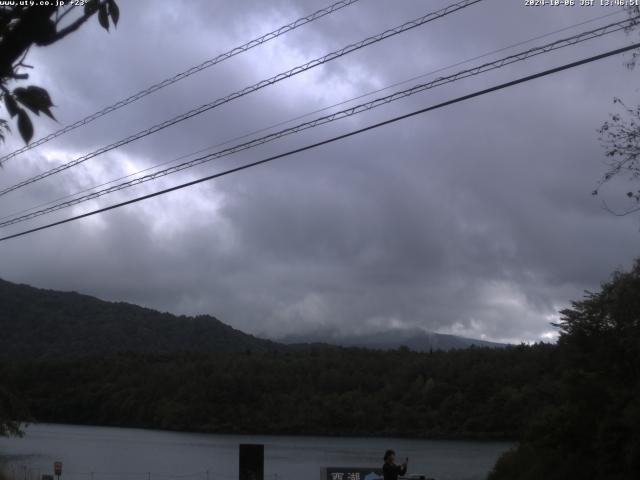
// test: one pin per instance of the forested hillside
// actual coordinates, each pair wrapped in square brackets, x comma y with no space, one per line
[478,392]
[37,323]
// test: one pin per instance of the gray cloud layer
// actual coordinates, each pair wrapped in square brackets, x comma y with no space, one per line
[475,219]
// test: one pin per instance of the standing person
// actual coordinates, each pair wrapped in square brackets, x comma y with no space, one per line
[390,470]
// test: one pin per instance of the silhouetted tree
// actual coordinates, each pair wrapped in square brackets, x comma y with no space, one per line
[589,427]
[620,137]
[23,26]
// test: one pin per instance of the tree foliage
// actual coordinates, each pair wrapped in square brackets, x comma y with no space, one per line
[591,429]
[12,413]
[472,393]
[23,26]
[620,137]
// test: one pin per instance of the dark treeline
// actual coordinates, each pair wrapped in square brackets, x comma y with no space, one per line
[478,392]
[589,426]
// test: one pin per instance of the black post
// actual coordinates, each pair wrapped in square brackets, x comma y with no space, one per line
[251,462]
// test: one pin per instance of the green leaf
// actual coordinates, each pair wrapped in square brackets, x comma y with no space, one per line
[90,7]
[10,103]
[42,95]
[25,127]
[114,11]
[103,16]
[35,99]
[48,113]
[25,99]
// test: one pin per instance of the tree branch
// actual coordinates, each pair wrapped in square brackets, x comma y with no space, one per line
[619,214]
[64,14]
[72,27]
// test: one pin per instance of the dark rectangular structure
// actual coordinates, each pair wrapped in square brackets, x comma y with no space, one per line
[251,462]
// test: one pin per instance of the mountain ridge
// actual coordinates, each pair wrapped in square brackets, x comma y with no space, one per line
[40,323]
[45,323]
[415,339]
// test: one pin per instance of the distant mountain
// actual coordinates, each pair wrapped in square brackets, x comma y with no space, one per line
[37,323]
[414,339]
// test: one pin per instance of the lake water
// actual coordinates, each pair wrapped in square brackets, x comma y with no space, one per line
[101,453]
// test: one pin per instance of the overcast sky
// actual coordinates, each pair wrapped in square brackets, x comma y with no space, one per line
[475,219]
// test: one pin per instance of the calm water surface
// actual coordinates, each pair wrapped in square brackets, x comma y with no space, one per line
[101,453]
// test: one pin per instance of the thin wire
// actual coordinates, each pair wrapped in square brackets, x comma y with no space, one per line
[357,109]
[176,78]
[245,91]
[330,140]
[270,127]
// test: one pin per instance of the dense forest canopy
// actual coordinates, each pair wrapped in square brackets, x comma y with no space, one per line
[473,393]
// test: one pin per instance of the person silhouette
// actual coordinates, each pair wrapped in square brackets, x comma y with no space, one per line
[390,470]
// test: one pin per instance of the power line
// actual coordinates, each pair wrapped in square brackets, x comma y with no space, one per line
[257,86]
[182,75]
[558,44]
[343,102]
[332,139]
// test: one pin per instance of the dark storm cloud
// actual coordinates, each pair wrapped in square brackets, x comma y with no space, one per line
[475,219]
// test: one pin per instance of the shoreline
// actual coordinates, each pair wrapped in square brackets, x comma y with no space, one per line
[390,436]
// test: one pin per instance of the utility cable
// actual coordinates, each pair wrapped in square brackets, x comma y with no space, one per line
[176,78]
[245,91]
[330,140]
[299,117]
[518,57]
